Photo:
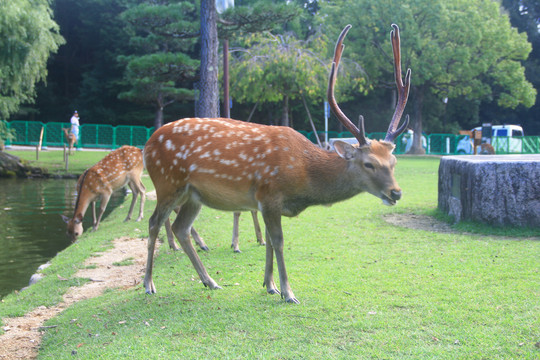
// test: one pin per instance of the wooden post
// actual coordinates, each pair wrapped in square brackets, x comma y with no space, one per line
[38,148]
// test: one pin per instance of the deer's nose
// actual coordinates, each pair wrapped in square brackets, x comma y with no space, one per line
[395,194]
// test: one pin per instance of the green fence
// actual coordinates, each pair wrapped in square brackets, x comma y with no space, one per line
[112,137]
[91,135]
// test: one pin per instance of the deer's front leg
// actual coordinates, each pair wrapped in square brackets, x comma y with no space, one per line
[269,269]
[272,220]
[105,197]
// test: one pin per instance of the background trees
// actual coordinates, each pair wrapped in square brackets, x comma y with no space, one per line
[461,50]
[28,35]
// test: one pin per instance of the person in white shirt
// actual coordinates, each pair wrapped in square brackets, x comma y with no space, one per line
[75,125]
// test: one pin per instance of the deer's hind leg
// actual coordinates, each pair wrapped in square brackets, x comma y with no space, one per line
[182,228]
[137,188]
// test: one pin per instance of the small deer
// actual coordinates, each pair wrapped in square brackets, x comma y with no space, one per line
[120,167]
[70,138]
[238,166]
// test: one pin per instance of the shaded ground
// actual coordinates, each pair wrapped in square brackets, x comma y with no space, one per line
[419,222]
[22,336]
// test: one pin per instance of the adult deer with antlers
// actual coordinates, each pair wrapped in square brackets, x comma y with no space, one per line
[120,167]
[237,166]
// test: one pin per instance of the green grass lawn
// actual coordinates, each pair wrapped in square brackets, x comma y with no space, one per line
[368,290]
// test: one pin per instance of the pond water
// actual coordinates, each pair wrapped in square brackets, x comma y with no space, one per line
[31,229]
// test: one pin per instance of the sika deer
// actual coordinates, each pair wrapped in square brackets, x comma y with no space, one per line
[70,138]
[120,167]
[237,166]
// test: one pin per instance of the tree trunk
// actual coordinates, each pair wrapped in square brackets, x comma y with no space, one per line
[208,104]
[158,120]
[417,122]
[285,114]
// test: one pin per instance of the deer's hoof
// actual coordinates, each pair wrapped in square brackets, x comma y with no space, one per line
[292,300]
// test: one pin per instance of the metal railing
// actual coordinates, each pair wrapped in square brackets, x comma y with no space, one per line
[112,137]
[91,135]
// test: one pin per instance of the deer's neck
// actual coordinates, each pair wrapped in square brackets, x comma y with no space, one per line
[83,198]
[329,181]
[332,179]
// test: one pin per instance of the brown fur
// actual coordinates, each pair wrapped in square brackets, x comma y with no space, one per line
[237,166]
[120,167]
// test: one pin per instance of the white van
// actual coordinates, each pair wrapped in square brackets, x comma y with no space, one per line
[504,138]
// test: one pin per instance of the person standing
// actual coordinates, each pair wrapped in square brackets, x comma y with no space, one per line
[75,126]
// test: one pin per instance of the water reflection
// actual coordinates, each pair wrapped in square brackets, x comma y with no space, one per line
[31,229]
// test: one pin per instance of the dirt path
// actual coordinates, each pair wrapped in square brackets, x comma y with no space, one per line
[22,336]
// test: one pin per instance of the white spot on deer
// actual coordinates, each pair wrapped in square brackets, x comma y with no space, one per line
[192,167]
[205,155]
[227,162]
[160,138]
[175,162]
[242,156]
[169,145]
[162,171]
[158,162]
[217,152]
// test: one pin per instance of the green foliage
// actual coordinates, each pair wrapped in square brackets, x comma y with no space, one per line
[154,77]
[255,17]
[269,68]
[6,134]
[159,71]
[455,48]
[28,36]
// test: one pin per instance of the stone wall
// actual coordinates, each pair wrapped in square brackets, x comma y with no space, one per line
[498,190]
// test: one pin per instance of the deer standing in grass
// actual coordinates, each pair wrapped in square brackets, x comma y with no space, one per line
[120,167]
[70,138]
[237,166]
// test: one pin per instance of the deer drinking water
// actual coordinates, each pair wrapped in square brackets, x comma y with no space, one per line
[120,167]
[238,166]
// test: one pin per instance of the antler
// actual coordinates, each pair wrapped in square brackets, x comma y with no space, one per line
[403,89]
[359,134]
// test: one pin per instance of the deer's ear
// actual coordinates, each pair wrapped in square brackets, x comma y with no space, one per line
[345,150]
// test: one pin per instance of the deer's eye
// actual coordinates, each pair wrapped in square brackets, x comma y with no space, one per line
[369,166]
